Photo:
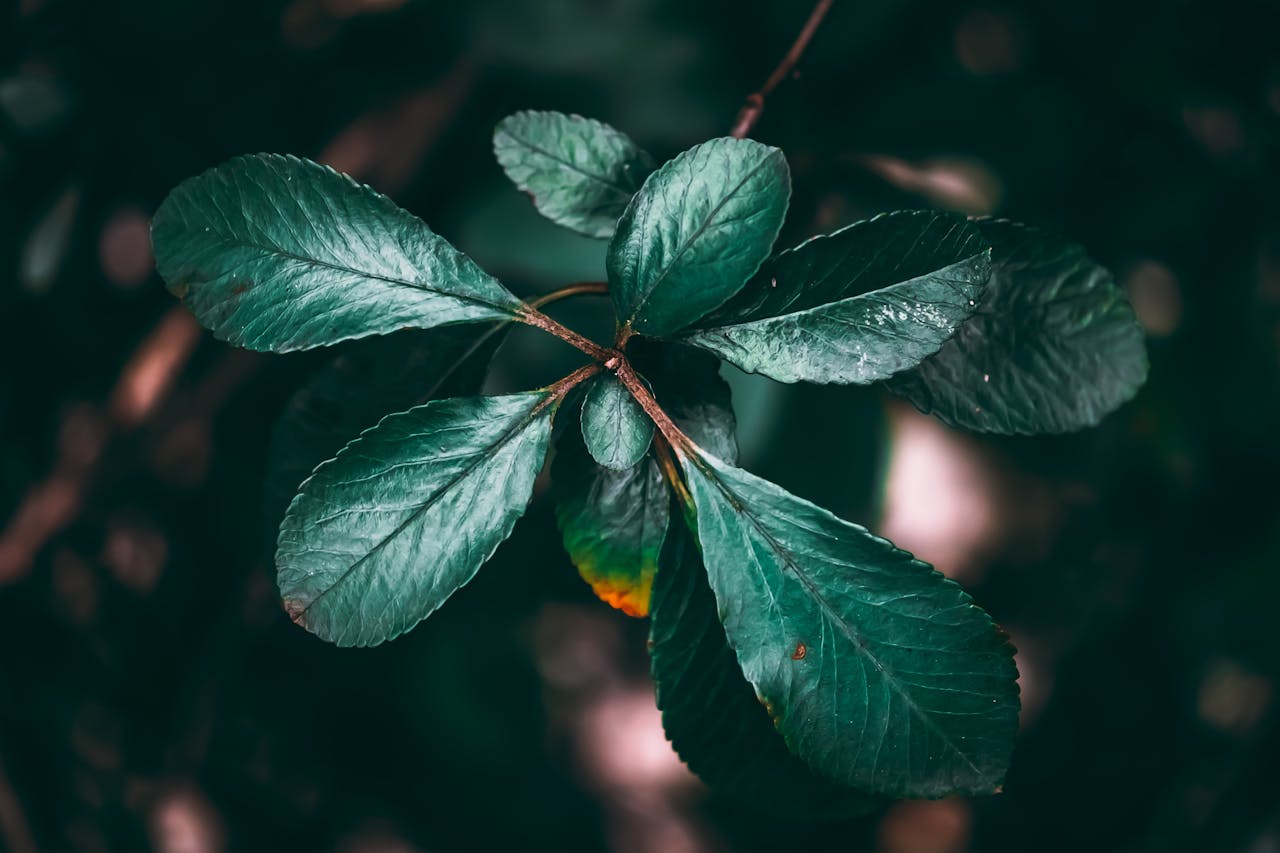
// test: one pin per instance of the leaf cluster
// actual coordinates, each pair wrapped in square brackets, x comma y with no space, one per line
[801,662]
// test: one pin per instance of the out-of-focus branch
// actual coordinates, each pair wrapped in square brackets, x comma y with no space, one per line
[15,831]
[145,379]
[751,110]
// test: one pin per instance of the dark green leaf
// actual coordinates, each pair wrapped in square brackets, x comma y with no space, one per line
[1054,346]
[368,379]
[581,173]
[614,522]
[615,429]
[383,533]
[856,306]
[711,713]
[276,253]
[696,231]
[879,672]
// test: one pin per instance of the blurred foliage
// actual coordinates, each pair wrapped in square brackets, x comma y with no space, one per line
[150,685]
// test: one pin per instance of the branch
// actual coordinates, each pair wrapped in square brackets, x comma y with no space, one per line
[531,316]
[579,289]
[631,381]
[754,106]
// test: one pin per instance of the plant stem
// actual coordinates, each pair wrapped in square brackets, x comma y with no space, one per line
[578,289]
[556,390]
[631,380]
[754,105]
[670,470]
[533,317]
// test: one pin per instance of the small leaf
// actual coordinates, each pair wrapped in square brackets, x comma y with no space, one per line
[711,713]
[580,172]
[276,253]
[616,430]
[696,231]
[614,522]
[879,672]
[856,306]
[383,533]
[1054,347]
[367,379]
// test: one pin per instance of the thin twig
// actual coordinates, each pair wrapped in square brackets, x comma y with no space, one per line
[754,106]
[578,289]
[558,389]
[533,317]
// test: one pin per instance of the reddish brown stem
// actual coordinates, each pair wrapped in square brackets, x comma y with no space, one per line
[533,317]
[754,106]
[631,380]
[556,390]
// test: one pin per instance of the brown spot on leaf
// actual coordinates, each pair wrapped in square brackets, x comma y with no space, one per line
[297,611]
[240,288]
[800,652]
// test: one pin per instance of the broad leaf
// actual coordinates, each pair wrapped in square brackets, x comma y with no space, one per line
[382,534]
[696,231]
[614,522]
[276,253]
[856,306]
[580,172]
[1054,347]
[711,713]
[615,429]
[365,381]
[879,672]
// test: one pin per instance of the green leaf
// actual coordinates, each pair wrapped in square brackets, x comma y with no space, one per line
[580,172]
[879,672]
[365,381]
[1054,347]
[710,712]
[696,231]
[616,430]
[383,533]
[614,522]
[276,253]
[856,306]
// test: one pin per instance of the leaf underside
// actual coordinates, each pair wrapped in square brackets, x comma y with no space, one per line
[879,672]
[711,713]
[580,172]
[1054,347]
[277,253]
[855,306]
[404,516]
[695,232]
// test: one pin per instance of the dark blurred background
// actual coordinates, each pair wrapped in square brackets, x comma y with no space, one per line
[154,696]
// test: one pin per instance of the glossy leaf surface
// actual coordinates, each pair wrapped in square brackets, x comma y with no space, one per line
[615,429]
[710,712]
[580,172]
[1054,347]
[277,253]
[698,229]
[856,306]
[879,672]
[382,534]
